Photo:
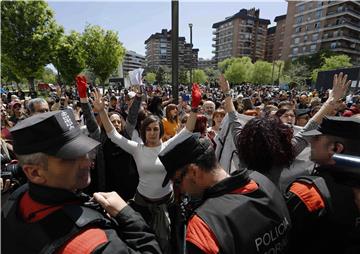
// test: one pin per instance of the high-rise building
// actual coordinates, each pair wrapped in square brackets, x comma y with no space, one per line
[132,61]
[279,37]
[270,39]
[242,34]
[205,63]
[158,51]
[315,25]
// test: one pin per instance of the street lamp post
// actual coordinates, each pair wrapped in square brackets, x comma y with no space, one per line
[191,55]
[175,49]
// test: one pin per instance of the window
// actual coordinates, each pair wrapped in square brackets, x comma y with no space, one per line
[320,3]
[336,33]
[318,14]
[295,51]
[333,45]
[314,37]
[304,49]
[299,19]
[312,47]
[298,29]
[297,40]
[317,25]
[162,51]
[301,8]
[305,38]
[307,28]
[163,45]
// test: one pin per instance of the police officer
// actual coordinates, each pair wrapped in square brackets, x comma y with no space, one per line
[236,214]
[50,214]
[322,206]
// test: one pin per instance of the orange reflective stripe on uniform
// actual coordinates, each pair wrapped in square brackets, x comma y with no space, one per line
[309,195]
[251,186]
[85,242]
[199,234]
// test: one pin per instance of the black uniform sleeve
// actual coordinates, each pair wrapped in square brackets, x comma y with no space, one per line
[134,236]
[193,249]
[90,121]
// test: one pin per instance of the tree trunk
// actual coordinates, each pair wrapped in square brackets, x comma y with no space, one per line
[31,81]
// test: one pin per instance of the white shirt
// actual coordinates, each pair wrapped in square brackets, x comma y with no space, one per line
[151,170]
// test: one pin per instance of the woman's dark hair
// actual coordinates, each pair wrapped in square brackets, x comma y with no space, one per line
[167,113]
[147,121]
[140,118]
[247,103]
[265,142]
[154,106]
[201,124]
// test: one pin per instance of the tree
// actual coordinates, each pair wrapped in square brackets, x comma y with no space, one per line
[70,57]
[262,72]
[199,76]
[225,64]
[213,75]
[104,51]
[29,35]
[240,71]
[297,73]
[48,76]
[184,77]
[160,75]
[150,77]
[332,62]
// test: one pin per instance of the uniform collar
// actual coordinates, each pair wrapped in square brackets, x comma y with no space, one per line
[52,196]
[237,179]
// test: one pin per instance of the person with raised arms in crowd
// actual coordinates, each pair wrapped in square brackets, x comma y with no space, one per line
[152,199]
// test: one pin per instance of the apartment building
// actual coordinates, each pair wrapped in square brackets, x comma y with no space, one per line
[242,34]
[158,51]
[132,61]
[270,39]
[315,25]
[205,63]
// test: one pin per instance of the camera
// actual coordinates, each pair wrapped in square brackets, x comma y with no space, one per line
[15,173]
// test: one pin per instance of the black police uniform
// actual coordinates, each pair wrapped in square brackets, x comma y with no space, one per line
[253,222]
[128,233]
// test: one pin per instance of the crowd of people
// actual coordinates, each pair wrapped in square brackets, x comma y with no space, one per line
[218,170]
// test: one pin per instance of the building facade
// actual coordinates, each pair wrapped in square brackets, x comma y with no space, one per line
[270,39]
[279,37]
[158,52]
[132,61]
[315,25]
[243,34]
[205,63]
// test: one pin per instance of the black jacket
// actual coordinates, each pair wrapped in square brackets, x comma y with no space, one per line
[128,233]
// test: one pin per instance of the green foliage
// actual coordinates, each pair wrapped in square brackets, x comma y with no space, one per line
[296,73]
[150,77]
[160,76]
[225,64]
[316,60]
[199,76]
[240,70]
[48,76]
[29,35]
[184,77]
[104,51]
[213,75]
[262,72]
[331,63]
[70,57]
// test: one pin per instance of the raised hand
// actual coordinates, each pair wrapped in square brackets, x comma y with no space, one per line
[340,86]
[223,84]
[98,102]
[81,86]
[110,201]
